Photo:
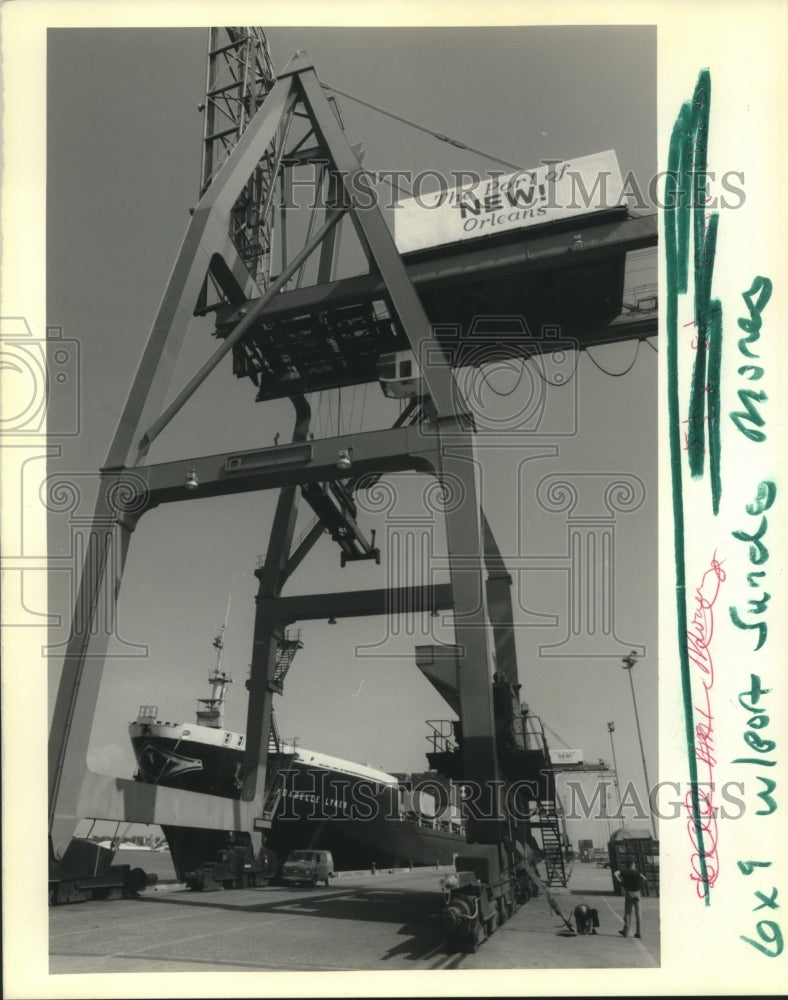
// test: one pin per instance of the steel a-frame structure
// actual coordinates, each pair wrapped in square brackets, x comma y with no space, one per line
[130,488]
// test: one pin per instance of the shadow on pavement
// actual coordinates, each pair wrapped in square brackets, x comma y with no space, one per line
[414,911]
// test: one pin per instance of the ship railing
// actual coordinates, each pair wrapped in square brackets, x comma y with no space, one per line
[276,743]
[293,635]
[448,825]
[415,817]
[280,746]
[441,738]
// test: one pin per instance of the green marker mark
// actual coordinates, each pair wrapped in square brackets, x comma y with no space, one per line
[684,200]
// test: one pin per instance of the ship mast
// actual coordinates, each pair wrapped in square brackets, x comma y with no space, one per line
[211,712]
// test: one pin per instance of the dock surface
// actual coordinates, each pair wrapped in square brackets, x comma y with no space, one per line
[386,921]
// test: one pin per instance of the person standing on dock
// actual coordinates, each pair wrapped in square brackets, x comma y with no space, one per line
[630,879]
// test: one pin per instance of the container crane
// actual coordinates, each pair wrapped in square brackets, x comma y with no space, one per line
[290,339]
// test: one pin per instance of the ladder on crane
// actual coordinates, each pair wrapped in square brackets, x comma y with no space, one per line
[549,828]
[287,647]
[546,816]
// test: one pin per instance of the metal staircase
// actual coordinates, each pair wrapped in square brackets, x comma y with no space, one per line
[273,796]
[287,648]
[274,740]
[275,779]
[547,818]
[548,824]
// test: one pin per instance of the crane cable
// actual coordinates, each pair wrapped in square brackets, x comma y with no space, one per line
[353,398]
[422,128]
[363,403]
[554,733]
[626,371]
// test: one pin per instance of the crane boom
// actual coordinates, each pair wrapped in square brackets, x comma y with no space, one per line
[240,75]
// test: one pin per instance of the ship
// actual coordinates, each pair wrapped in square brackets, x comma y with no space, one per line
[367,817]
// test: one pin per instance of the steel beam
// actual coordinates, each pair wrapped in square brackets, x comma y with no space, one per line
[380,247]
[115,514]
[461,476]
[498,588]
[519,254]
[207,234]
[83,664]
[359,603]
[304,547]
[245,322]
[391,450]
[272,576]
[125,496]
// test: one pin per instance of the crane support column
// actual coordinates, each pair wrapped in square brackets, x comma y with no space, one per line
[460,477]
[268,632]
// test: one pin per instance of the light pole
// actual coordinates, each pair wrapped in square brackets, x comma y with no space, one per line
[603,765]
[629,663]
[611,728]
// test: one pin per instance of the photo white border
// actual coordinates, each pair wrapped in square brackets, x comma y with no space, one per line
[744,46]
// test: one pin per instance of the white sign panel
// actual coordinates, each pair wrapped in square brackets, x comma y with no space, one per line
[553,191]
[566,756]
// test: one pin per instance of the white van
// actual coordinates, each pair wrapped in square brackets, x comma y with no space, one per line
[309,867]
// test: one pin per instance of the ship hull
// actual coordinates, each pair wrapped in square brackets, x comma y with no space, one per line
[324,805]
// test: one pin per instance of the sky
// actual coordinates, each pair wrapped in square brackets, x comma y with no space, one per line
[123,163]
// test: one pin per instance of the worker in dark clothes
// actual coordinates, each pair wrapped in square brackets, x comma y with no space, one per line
[586,919]
[631,880]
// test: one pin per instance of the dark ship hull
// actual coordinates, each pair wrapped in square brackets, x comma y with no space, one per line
[364,816]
